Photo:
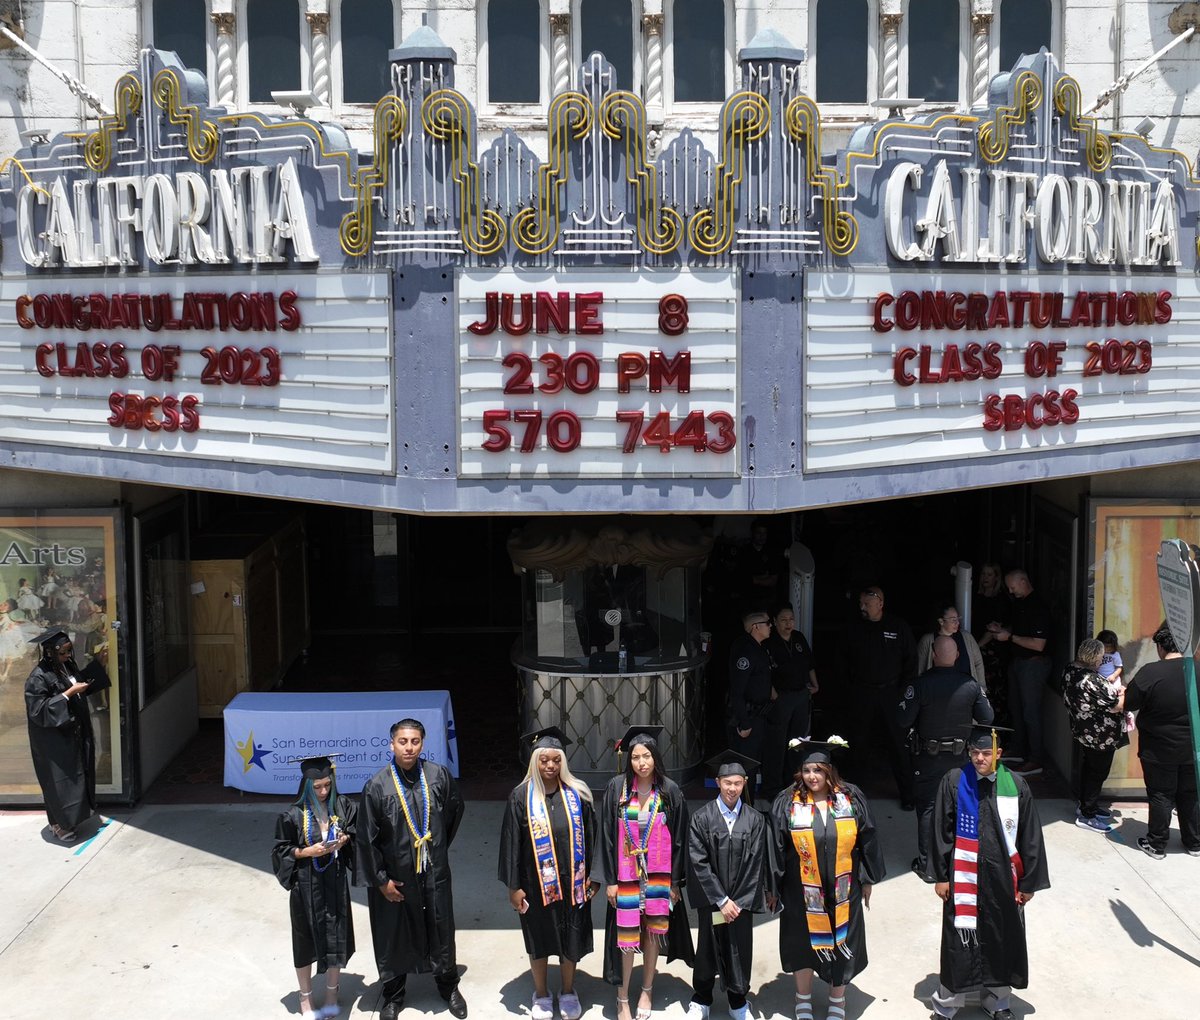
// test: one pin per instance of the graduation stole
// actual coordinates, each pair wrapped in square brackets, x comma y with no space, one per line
[423,837]
[965,881]
[542,837]
[313,835]
[824,936]
[643,870]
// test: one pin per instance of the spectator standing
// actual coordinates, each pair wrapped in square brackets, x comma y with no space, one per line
[1096,725]
[794,682]
[1027,634]
[1158,693]
[879,660]
[968,659]
[990,603]
[762,569]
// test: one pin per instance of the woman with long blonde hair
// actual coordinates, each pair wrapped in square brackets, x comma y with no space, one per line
[547,840]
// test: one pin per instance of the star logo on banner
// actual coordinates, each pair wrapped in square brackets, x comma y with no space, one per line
[450,736]
[251,753]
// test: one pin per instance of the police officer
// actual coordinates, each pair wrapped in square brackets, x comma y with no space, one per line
[941,708]
[795,681]
[750,690]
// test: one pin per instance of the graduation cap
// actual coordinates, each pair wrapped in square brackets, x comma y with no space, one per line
[320,767]
[818,752]
[984,737]
[550,737]
[730,763]
[50,637]
[625,744]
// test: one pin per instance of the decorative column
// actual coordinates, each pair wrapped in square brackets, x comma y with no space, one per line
[318,24]
[226,83]
[889,23]
[652,29]
[560,49]
[981,47]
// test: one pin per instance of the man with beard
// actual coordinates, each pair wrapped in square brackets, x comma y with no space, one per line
[988,860]
[408,816]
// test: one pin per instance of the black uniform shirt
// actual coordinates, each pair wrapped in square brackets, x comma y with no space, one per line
[879,654]
[943,705]
[749,679]
[793,661]
[1030,619]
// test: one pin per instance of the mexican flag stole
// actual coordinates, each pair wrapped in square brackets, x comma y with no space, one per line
[826,937]
[964,884]
[541,835]
[643,871]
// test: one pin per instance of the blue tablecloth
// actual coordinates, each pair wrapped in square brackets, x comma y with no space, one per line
[264,730]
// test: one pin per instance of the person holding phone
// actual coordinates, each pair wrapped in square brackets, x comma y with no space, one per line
[61,741]
[311,860]
[547,840]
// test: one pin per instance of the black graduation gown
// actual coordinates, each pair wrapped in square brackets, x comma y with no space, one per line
[62,745]
[1000,958]
[322,926]
[866,868]
[733,864]
[559,929]
[417,934]
[679,932]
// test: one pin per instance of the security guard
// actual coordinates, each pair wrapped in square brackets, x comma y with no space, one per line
[941,708]
[750,690]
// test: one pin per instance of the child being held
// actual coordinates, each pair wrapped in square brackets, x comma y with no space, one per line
[1112,668]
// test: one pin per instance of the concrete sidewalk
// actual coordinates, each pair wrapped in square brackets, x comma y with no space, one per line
[172,912]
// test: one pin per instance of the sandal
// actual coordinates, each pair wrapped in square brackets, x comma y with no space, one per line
[645,1012]
[837,1008]
[331,1007]
[804,1010]
[66,835]
[306,1010]
[622,1002]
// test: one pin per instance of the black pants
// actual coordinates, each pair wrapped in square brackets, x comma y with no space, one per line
[788,716]
[740,936]
[1093,770]
[751,746]
[927,777]
[1172,786]
[871,722]
[393,990]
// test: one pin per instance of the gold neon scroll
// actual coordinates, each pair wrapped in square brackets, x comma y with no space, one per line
[745,117]
[355,231]
[1096,144]
[804,127]
[535,229]
[446,116]
[202,135]
[127,99]
[660,230]
[994,134]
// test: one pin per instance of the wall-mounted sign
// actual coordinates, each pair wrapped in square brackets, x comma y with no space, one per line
[598,374]
[282,369]
[906,367]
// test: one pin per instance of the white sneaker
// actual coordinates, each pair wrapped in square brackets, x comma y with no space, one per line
[697,1011]
[543,1008]
[741,1013]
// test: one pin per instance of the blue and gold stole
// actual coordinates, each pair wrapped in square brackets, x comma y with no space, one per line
[542,838]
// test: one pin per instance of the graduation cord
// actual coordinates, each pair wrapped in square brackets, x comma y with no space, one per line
[310,841]
[422,839]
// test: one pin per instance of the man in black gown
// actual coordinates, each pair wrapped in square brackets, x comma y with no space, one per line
[60,732]
[985,813]
[408,815]
[729,879]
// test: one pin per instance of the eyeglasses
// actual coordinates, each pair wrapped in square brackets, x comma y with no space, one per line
[761,623]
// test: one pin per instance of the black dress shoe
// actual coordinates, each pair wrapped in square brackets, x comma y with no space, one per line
[391,1009]
[908,805]
[457,1004]
[999,1014]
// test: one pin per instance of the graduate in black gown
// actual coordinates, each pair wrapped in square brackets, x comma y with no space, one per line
[985,813]
[643,860]
[826,858]
[547,840]
[408,815]
[61,741]
[730,879]
[312,859]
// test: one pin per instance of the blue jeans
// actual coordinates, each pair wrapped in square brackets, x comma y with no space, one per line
[1026,687]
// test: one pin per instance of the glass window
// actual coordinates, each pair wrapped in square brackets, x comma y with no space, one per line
[273,43]
[607,26]
[841,45]
[368,33]
[698,39]
[165,612]
[514,55]
[181,26]
[1024,28]
[933,50]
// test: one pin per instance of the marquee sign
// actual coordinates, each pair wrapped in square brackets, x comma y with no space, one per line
[598,374]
